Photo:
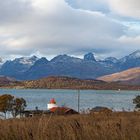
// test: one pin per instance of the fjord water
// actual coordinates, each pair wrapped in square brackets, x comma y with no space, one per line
[116,100]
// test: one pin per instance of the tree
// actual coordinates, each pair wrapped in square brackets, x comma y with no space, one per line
[6,102]
[137,102]
[19,106]
[9,103]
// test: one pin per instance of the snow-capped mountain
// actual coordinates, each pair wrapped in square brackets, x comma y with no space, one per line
[132,56]
[111,60]
[65,58]
[63,65]
[1,62]
[130,61]
[89,57]
[17,66]
[26,60]
[37,70]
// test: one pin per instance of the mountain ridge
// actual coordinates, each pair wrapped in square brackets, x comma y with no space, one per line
[64,65]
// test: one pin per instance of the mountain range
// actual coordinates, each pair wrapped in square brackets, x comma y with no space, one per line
[31,68]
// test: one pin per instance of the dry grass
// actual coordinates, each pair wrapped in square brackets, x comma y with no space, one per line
[114,126]
[129,77]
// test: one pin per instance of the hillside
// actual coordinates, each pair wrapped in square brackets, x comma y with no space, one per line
[130,76]
[8,81]
[62,83]
[74,83]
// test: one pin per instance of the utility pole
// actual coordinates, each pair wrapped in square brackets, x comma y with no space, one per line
[78,100]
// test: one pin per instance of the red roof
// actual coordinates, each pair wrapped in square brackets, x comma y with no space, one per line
[52,101]
[64,109]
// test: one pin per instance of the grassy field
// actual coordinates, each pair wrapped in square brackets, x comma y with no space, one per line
[114,126]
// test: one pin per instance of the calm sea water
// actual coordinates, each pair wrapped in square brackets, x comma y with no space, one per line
[88,98]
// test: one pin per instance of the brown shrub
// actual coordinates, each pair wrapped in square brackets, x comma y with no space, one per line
[116,126]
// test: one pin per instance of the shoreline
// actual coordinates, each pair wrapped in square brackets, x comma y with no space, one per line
[68,83]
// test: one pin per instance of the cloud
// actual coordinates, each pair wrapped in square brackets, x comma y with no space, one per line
[130,8]
[130,40]
[92,5]
[51,27]
[56,29]
[13,10]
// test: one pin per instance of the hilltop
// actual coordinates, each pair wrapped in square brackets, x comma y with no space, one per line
[130,77]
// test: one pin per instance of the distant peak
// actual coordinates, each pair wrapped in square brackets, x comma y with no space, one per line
[1,61]
[42,60]
[89,57]
[34,57]
[134,55]
[65,58]
[137,51]
[26,60]
[61,58]
[111,59]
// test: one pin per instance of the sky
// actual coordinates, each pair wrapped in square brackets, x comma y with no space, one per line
[74,27]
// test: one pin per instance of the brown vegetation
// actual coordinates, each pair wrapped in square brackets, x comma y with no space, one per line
[70,83]
[74,83]
[7,81]
[61,82]
[130,76]
[115,126]
[100,110]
